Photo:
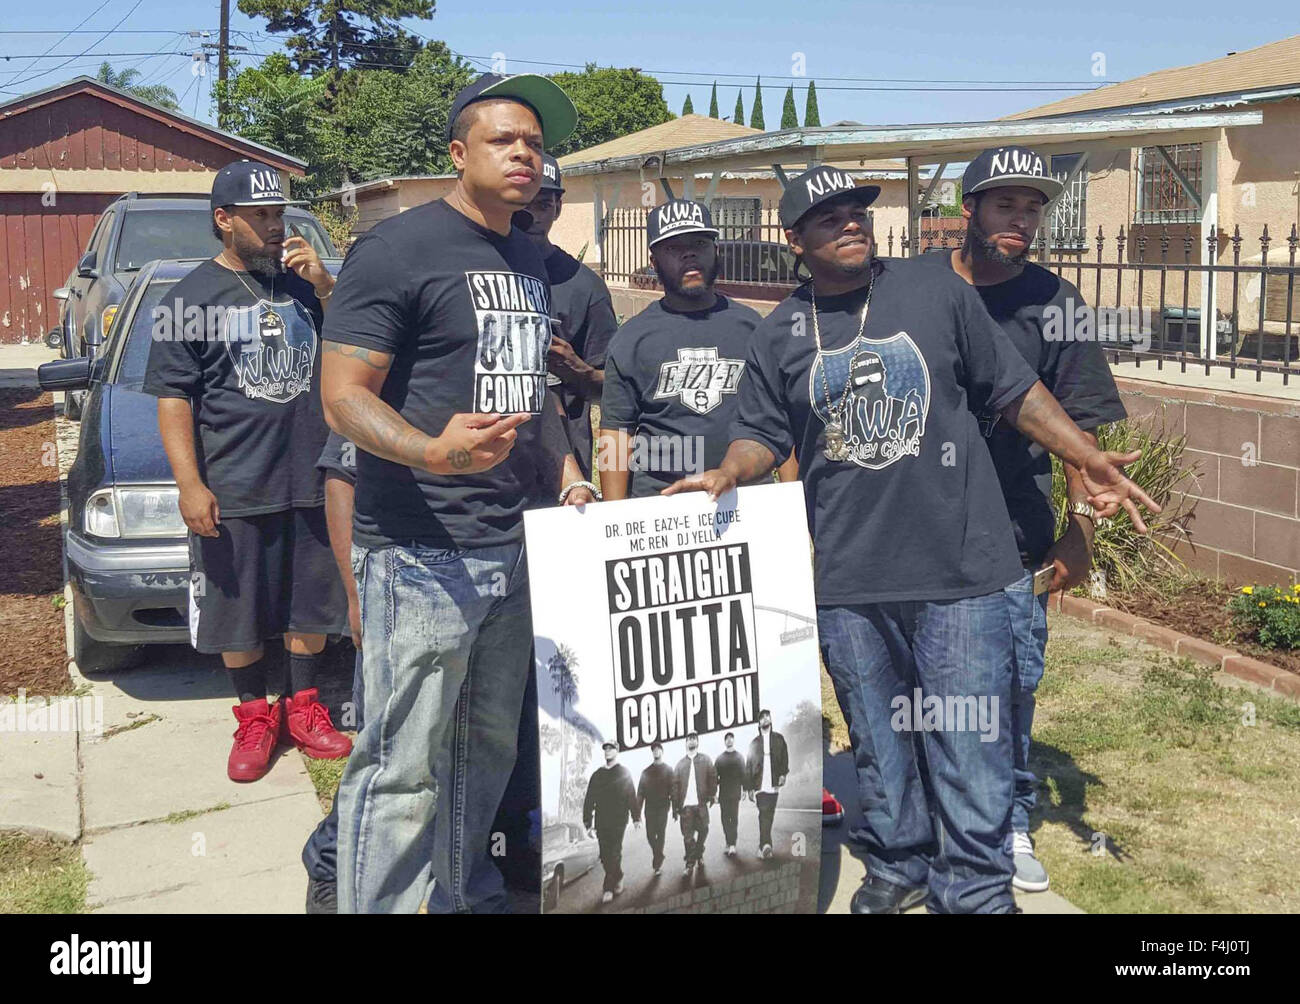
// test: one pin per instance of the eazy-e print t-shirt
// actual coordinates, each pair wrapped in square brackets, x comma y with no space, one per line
[246,352]
[916,513]
[465,314]
[673,378]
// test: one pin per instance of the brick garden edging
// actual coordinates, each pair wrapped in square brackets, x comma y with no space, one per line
[1177,643]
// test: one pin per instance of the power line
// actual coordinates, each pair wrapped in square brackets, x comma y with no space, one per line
[79,55]
[55,45]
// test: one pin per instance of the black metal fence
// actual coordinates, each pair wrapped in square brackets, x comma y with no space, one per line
[1144,291]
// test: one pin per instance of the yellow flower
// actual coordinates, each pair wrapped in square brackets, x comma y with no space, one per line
[1247,589]
[1263,604]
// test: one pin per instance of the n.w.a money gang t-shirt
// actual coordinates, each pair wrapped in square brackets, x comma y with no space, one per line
[465,314]
[244,349]
[915,512]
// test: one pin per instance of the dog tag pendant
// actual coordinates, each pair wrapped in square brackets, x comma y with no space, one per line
[836,448]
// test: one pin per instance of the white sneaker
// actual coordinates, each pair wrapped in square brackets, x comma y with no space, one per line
[767,850]
[1030,875]
[607,897]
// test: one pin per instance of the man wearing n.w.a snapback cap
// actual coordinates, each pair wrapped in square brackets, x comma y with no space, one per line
[872,372]
[240,417]
[674,369]
[435,362]
[1005,192]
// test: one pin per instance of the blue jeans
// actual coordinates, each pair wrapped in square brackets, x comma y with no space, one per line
[320,854]
[447,636]
[1029,629]
[935,790]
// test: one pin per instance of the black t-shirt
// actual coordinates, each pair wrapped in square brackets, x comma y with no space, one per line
[465,314]
[251,367]
[672,379]
[1074,371]
[339,456]
[580,301]
[917,514]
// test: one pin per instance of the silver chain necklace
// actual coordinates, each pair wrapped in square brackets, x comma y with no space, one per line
[837,448]
[238,275]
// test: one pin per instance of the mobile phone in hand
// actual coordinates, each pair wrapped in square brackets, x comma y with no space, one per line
[1043,579]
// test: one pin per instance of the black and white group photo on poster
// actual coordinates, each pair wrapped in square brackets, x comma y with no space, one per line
[681,751]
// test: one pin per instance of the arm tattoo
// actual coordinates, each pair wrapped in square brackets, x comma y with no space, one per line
[459,459]
[747,460]
[375,360]
[377,428]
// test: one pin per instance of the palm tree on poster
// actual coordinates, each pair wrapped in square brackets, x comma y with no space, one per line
[564,682]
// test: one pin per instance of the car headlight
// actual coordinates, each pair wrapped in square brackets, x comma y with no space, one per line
[134,512]
[106,319]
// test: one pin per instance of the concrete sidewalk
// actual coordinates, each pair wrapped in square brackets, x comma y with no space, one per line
[18,363]
[844,868]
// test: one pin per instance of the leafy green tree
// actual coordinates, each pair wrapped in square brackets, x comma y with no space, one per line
[687,107]
[157,94]
[335,34]
[811,116]
[738,116]
[713,102]
[789,117]
[611,103]
[272,105]
[756,111]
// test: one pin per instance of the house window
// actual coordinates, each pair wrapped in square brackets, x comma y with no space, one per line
[1160,196]
[737,219]
[1069,215]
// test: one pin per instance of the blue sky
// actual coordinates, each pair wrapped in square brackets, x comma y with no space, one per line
[936,44]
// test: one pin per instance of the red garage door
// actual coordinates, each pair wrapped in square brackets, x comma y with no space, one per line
[39,246]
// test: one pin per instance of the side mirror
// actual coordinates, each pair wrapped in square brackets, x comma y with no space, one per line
[86,267]
[65,374]
[62,293]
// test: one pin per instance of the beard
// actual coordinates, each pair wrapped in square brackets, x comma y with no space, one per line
[259,258]
[703,292]
[986,247]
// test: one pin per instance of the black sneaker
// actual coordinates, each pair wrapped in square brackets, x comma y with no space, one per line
[879,895]
[322,897]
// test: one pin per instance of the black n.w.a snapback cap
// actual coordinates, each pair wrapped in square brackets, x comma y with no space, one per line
[818,185]
[249,183]
[676,217]
[1010,166]
[551,180]
[545,97]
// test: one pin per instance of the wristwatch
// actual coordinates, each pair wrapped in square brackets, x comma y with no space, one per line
[1083,509]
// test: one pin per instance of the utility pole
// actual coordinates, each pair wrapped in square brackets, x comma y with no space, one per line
[223,63]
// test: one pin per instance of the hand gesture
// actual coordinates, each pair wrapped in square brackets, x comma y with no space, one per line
[564,362]
[1108,488]
[715,482]
[475,442]
[301,257]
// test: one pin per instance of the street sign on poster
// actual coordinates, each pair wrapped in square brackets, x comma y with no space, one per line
[664,629]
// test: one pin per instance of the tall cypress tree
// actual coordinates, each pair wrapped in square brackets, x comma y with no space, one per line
[811,116]
[756,112]
[738,116]
[688,108]
[789,117]
[713,102]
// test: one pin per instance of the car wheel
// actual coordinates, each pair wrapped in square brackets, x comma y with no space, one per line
[93,656]
[54,339]
[551,895]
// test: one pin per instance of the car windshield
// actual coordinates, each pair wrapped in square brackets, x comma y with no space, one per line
[187,233]
[135,354]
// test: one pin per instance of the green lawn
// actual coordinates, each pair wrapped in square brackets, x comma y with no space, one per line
[41,876]
[1156,795]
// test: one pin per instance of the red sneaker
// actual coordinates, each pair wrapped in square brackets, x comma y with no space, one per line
[255,739]
[832,810]
[310,727]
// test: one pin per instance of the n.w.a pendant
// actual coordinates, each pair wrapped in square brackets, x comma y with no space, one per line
[836,448]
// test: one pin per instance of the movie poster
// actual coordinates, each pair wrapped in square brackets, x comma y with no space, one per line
[679,704]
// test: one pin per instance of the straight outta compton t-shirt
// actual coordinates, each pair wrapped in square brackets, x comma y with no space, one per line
[916,513]
[672,378]
[1074,371]
[250,366]
[465,314]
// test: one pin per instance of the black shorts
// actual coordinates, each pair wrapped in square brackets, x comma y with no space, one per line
[262,576]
